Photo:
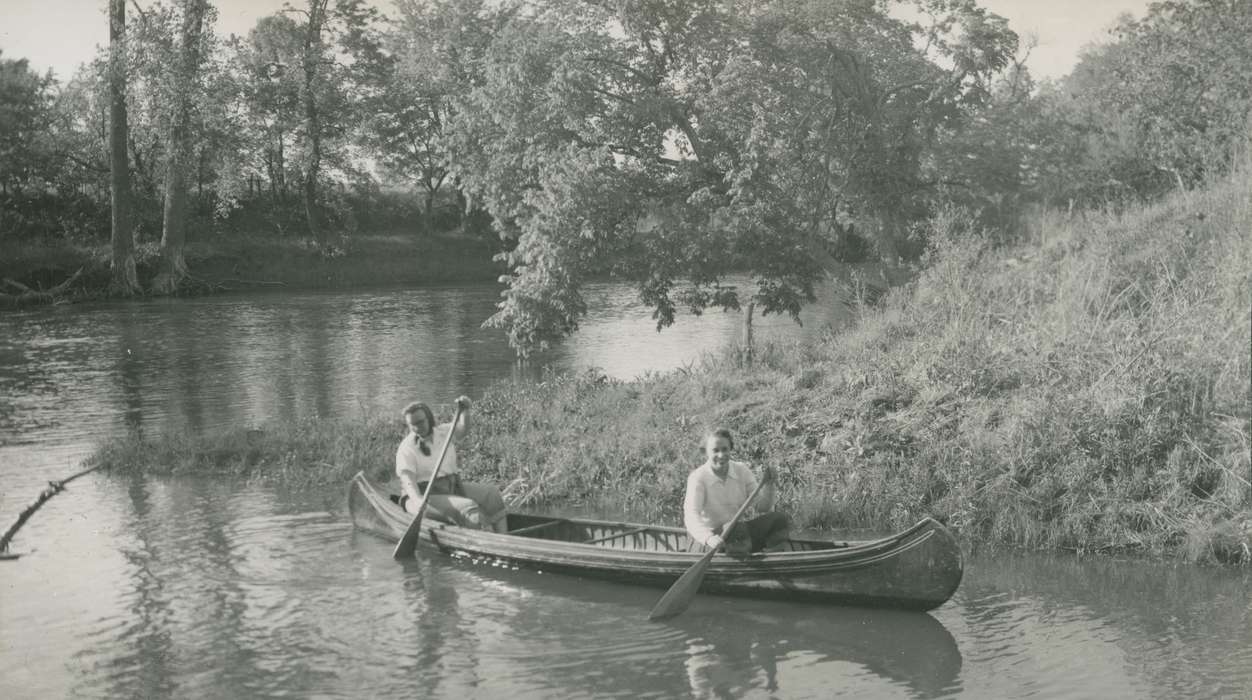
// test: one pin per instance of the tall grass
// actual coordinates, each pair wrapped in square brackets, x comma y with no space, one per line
[312,451]
[1088,390]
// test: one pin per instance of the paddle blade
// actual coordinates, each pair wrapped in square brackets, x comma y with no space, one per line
[679,595]
[408,542]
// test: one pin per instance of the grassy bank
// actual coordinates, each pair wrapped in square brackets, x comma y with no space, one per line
[223,264]
[1088,391]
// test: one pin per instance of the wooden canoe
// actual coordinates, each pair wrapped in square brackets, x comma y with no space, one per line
[917,569]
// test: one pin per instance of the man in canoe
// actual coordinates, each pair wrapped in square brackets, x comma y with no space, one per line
[717,488]
[463,503]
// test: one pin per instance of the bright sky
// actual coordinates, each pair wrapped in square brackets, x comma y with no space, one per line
[60,34]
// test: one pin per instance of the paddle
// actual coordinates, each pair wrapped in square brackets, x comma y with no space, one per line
[679,595]
[407,545]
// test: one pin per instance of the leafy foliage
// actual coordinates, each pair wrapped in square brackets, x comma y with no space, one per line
[681,141]
[26,106]
[1163,105]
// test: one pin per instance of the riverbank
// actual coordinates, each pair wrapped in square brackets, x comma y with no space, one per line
[1088,392]
[226,264]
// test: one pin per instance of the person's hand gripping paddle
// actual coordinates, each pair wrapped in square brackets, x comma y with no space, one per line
[679,595]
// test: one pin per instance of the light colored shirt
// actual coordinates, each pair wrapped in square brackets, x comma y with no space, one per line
[712,501]
[409,457]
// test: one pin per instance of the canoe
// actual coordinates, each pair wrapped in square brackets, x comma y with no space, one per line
[916,569]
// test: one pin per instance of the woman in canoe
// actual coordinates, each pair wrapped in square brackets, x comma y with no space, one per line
[453,500]
[717,488]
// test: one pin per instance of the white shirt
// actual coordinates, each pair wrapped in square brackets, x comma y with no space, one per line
[712,501]
[409,457]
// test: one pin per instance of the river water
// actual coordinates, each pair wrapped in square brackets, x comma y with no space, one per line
[188,588]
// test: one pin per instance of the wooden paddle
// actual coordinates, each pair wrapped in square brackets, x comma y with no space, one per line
[407,545]
[679,595]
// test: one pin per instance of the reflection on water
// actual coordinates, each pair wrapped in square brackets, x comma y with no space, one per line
[71,376]
[596,632]
[183,588]
[1116,628]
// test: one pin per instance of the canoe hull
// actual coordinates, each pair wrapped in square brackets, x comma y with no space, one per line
[917,569]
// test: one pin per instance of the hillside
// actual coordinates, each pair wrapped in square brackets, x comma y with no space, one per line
[1086,391]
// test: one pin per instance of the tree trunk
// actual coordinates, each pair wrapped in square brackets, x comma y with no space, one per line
[312,122]
[173,233]
[280,170]
[428,216]
[124,279]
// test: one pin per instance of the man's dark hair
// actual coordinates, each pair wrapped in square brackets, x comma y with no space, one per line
[723,433]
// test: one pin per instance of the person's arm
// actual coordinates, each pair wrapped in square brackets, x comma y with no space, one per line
[692,502]
[462,425]
[409,485]
[768,497]
[407,474]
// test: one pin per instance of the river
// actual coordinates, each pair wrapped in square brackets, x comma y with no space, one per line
[198,588]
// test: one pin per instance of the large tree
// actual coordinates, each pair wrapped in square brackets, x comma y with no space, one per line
[313,67]
[124,278]
[675,142]
[183,94]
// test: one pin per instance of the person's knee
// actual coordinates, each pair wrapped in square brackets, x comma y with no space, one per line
[471,516]
[493,501]
[780,528]
[488,497]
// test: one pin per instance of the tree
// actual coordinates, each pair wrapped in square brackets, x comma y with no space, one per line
[312,60]
[435,60]
[124,278]
[25,111]
[1183,83]
[1162,105]
[173,235]
[677,142]
[268,88]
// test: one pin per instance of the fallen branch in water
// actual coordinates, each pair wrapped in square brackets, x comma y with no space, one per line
[26,295]
[194,283]
[54,487]
[258,283]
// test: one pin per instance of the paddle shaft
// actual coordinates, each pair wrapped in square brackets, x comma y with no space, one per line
[407,545]
[679,595]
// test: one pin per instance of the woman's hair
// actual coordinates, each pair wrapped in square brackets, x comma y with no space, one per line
[721,433]
[414,408]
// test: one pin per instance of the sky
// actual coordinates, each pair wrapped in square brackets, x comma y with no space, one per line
[61,34]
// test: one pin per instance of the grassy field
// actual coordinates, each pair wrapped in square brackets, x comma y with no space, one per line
[1088,390]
